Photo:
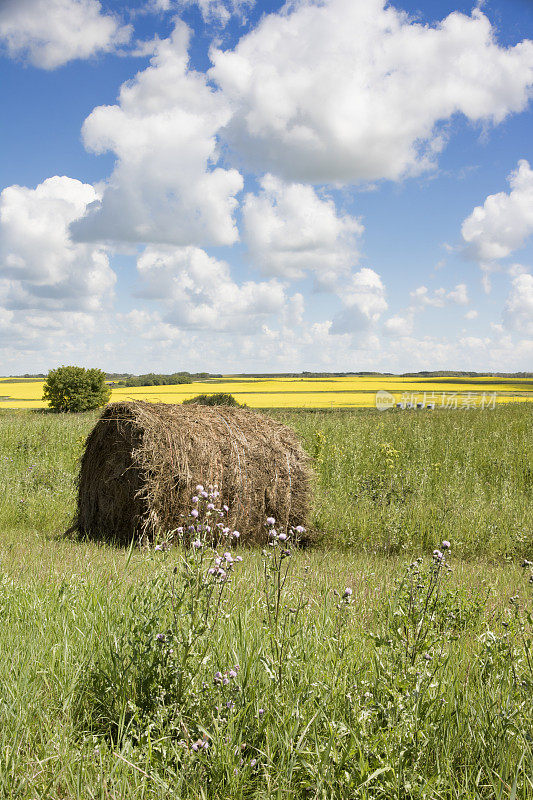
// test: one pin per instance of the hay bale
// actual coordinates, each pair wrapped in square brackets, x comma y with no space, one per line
[143,460]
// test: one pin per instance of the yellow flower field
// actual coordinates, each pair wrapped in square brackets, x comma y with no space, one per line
[352,392]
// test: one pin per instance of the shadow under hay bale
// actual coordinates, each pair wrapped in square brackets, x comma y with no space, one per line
[143,460]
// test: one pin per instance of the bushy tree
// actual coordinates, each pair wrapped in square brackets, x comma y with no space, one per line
[217,399]
[76,389]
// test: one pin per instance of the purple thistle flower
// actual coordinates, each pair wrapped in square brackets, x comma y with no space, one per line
[197,544]
[195,499]
[199,488]
[300,529]
[210,507]
[194,512]
[282,537]
[271,521]
[445,545]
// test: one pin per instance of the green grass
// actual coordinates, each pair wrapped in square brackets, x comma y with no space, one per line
[352,715]
[386,483]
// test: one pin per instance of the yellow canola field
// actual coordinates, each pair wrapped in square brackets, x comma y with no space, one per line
[351,392]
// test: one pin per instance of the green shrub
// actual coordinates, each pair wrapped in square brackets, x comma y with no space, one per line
[217,399]
[76,389]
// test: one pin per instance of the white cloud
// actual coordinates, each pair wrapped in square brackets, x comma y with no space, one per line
[518,311]
[40,266]
[440,297]
[472,314]
[166,186]
[199,293]
[290,231]
[219,11]
[397,326]
[504,221]
[353,90]
[49,33]
[363,297]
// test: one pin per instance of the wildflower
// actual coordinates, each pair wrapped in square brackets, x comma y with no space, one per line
[158,547]
[260,712]
[197,544]
[348,592]
[195,499]
[211,571]
[194,512]
[300,529]
[226,508]
[204,494]
[160,637]
[225,680]
[210,506]
[235,535]
[437,555]
[238,558]
[271,521]
[272,533]
[232,673]
[228,557]
[445,545]
[218,677]
[199,488]
[253,762]
[282,537]
[230,705]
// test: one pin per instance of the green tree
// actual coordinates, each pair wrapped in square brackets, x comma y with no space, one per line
[76,389]
[217,399]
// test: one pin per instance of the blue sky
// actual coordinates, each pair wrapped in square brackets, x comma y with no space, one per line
[230,185]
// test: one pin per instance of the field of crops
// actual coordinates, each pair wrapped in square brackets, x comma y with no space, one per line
[312,393]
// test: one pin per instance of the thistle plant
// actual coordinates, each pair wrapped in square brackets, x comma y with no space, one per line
[282,620]
[151,675]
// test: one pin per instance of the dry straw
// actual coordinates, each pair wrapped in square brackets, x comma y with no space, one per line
[143,460]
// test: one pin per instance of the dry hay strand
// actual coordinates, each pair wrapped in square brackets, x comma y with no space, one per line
[142,462]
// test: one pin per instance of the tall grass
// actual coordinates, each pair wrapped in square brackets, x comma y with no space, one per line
[385,482]
[416,685]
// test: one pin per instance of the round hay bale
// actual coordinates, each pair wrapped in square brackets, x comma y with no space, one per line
[143,460]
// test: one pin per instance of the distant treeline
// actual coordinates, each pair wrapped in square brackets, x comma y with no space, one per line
[436,374]
[151,379]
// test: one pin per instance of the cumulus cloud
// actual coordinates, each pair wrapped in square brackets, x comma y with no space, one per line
[363,297]
[49,33]
[331,91]
[518,311]
[199,293]
[219,11]
[40,266]
[504,222]
[440,297]
[397,325]
[167,186]
[291,231]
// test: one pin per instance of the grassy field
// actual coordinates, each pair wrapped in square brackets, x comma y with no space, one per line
[330,393]
[417,684]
